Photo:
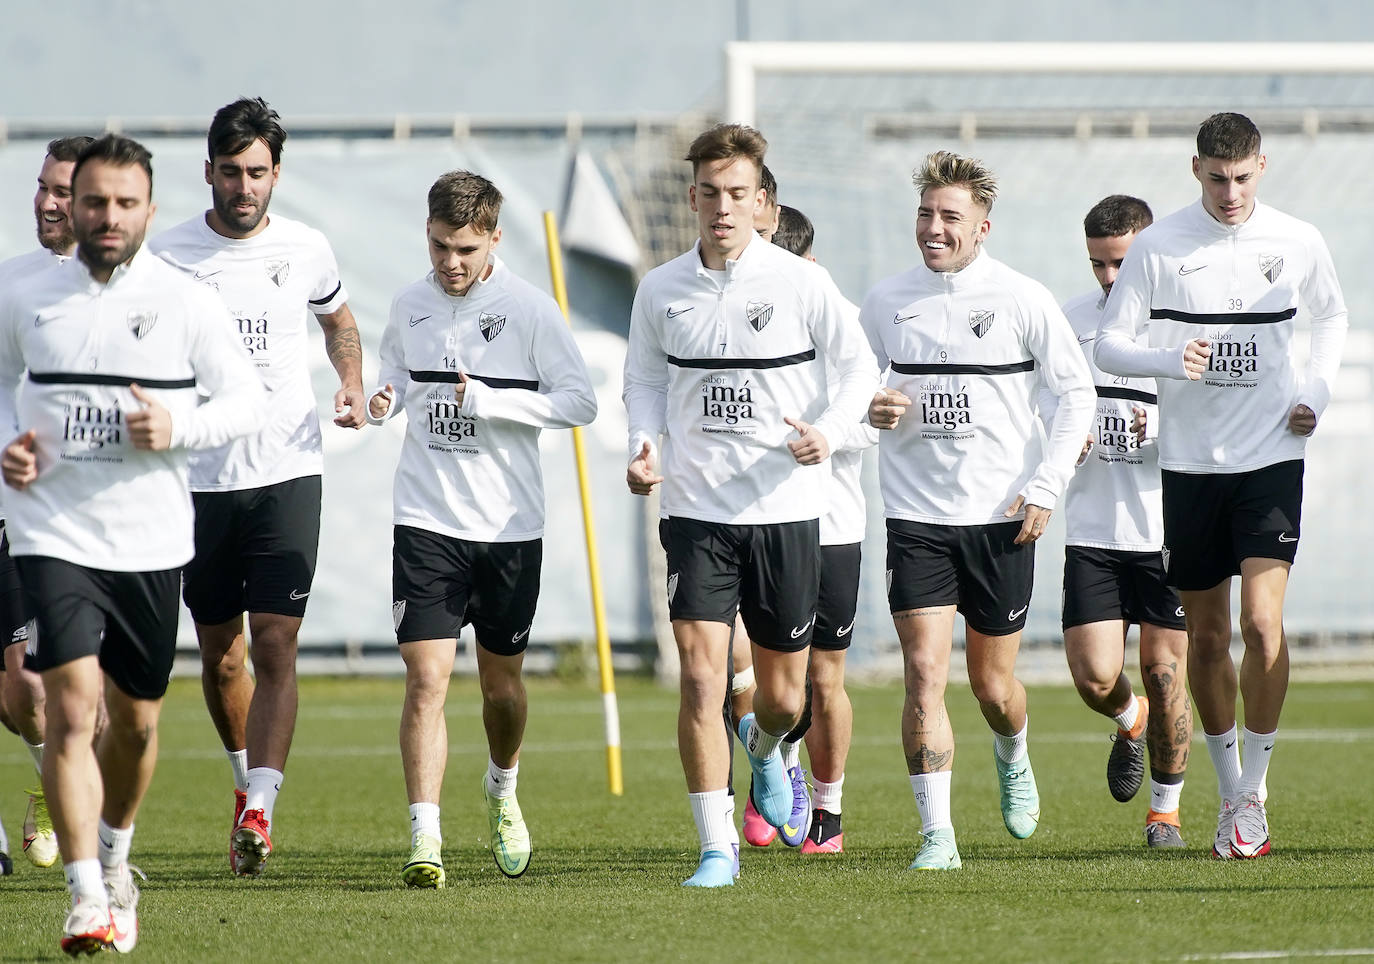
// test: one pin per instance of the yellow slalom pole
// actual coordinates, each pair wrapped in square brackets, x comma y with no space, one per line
[603,643]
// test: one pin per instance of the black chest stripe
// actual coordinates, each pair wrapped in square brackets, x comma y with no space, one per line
[451,378]
[800,358]
[1011,368]
[1129,394]
[1229,318]
[97,378]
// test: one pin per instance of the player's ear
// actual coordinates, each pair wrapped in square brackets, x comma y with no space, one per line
[208,169]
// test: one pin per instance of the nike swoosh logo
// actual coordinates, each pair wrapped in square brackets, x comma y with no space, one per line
[297,594]
[797,633]
[1179,611]
[1016,613]
[1085,339]
[790,830]
[1239,839]
[39,321]
[1268,748]
[1184,270]
[1285,537]
[520,635]
[107,844]
[415,321]
[202,275]
[898,319]
[674,312]
[845,631]
[1231,744]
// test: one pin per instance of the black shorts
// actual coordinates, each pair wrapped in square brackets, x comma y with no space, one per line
[978,569]
[770,574]
[14,610]
[255,551]
[439,584]
[1111,584]
[127,619]
[838,600]
[1212,521]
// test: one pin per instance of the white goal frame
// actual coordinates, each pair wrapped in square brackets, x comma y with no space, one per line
[744,61]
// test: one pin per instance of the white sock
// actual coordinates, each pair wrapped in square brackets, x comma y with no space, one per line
[713,815]
[791,754]
[85,882]
[36,751]
[826,796]
[1225,754]
[931,791]
[424,819]
[238,762]
[501,782]
[263,785]
[1011,748]
[759,742]
[113,844]
[1125,720]
[4,840]
[1164,796]
[730,818]
[1255,761]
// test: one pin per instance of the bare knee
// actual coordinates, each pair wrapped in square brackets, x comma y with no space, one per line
[1261,630]
[1094,691]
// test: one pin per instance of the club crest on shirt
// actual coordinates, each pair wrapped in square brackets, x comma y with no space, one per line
[759,314]
[141,322]
[278,271]
[1270,265]
[490,324]
[980,321]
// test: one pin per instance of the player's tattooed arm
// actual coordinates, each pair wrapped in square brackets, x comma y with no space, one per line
[926,760]
[344,348]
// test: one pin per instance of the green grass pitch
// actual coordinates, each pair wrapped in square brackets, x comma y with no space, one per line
[604,881]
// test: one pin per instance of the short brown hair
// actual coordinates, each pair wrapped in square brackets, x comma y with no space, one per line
[1117,215]
[461,197]
[728,141]
[1228,137]
[947,169]
[68,148]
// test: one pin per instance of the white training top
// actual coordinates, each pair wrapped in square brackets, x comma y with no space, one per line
[22,266]
[1189,276]
[717,360]
[846,519]
[1114,500]
[273,284]
[471,470]
[98,501]
[971,350]
[13,270]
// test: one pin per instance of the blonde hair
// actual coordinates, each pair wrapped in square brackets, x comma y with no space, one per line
[947,169]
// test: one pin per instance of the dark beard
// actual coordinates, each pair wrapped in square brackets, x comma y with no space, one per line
[96,259]
[243,224]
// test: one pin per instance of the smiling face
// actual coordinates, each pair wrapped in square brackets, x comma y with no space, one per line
[111,207]
[52,205]
[726,197]
[460,256]
[240,190]
[1229,187]
[950,227]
